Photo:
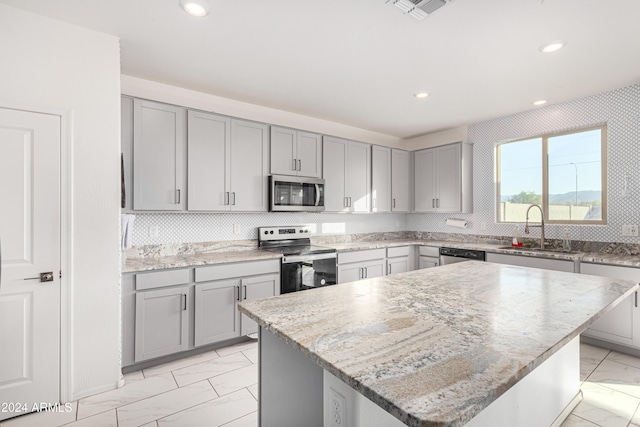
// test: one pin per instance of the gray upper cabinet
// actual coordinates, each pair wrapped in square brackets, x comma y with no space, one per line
[380,179]
[347,172]
[227,164]
[158,156]
[295,152]
[443,179]
[209,142]
[400,194]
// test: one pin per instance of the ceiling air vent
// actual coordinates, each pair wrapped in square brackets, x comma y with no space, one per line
[419,9]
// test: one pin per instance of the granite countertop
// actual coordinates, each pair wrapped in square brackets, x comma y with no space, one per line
[434,347]
[223,253]
[196,259]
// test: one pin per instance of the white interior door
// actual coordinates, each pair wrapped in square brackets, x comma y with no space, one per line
[30,245]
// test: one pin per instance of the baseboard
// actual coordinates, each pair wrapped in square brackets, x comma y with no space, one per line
[567,410]
[95,390]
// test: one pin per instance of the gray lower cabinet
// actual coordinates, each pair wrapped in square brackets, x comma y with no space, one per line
[622,324]
[169,311]
[216,315]
[359,265]
[162,322]
[429,262]
[399,259]
[428,257]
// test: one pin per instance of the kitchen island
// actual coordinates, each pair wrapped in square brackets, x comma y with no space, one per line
[471,343]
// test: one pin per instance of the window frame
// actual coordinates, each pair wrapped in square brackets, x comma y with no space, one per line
[545,175]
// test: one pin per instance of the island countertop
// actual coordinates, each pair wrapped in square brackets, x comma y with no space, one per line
[435,347]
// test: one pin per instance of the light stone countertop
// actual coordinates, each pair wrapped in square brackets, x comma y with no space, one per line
[434,347]
[197,259]
[239,254]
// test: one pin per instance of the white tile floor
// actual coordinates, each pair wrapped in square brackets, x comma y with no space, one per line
[219,388]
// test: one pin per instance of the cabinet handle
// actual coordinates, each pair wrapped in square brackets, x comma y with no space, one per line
[184,305]
[345,202]
[238,293]
[177,197]
[394,202]
[233,202]
[366,272]
[299,164]
[294,164]
[433,203]
[244,289]
[636,299]
[349,201]
[437,203]
[389,269]
[226,198]
[361,273]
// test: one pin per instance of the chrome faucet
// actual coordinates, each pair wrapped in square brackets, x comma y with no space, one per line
[526,225]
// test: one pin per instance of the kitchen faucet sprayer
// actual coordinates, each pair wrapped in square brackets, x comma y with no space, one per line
[526,225]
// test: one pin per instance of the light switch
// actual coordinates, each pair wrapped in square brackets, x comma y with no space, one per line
[236,228]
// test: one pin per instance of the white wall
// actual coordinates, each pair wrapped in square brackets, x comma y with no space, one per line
[188,98]
[435,139]
[50,65]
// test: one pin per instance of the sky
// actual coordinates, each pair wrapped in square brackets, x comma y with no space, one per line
[521,164]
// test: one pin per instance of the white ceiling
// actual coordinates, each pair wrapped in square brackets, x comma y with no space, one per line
[359,62]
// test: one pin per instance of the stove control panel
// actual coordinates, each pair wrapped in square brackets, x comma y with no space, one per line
[284,233]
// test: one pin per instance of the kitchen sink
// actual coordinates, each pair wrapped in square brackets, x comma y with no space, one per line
[545,250]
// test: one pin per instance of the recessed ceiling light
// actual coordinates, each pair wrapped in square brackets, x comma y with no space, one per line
[541,102]
[197,8]
[552,47]
[421,95]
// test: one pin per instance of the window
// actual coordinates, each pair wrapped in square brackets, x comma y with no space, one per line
[564,173]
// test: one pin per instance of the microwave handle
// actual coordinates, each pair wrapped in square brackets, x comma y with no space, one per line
[317,194]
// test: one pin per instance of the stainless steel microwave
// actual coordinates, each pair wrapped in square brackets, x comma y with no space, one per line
[296,193]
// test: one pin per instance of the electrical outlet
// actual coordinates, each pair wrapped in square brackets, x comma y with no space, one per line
[338,409]
[236,228]
[153,231]
[626,230]
[633,230]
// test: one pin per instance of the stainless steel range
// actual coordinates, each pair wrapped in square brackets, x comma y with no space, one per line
[304,266]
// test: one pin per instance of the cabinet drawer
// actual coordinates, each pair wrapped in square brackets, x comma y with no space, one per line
[429,251]
[243,269]
[401,251]
[161,279]
[359,256]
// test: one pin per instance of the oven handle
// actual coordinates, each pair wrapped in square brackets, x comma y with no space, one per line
[306,258]
[317,194]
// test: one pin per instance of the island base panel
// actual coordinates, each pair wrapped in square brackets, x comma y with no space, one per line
[290,385]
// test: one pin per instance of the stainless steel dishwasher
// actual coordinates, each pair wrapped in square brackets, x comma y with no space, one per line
[453,255]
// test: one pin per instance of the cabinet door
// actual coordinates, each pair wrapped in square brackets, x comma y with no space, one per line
[334,157]
[254,288]
[429,262]
[283,151]
[158,156]
[162,322]
[620,324]
[249,174]
[399,180]
[349,272]
[126,144]
[208,142]
[380,179]
[374,269]
[216,317]
[397,265]
[448,178]
[358,172]
[309,154]
[425,197]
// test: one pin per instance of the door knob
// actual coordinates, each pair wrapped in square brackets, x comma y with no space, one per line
[44,277]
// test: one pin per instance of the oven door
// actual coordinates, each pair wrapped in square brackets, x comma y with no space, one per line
[300,273]
[290,193]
